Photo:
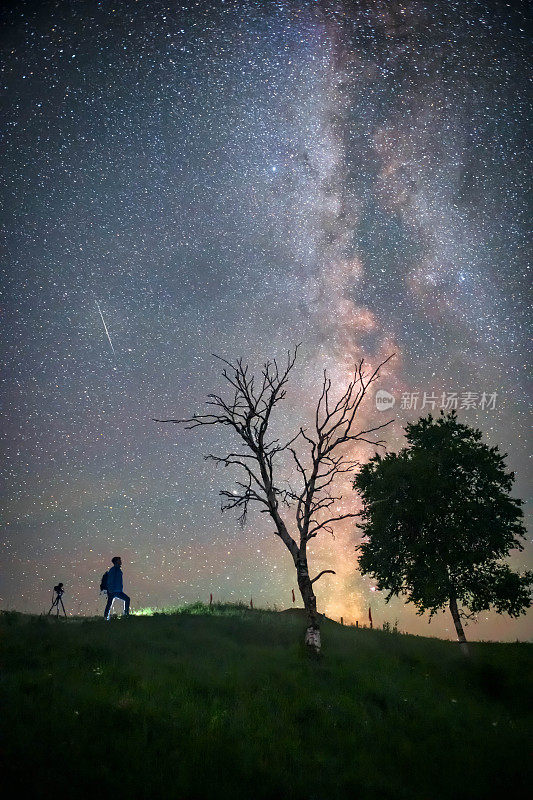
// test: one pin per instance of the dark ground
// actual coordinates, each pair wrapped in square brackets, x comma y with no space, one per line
[226,704]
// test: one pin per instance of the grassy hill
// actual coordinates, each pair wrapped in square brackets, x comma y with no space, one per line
[226,704]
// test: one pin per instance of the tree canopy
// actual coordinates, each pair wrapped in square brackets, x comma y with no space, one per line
[438,520]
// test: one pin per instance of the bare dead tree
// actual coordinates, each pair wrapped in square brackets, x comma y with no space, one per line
[248,412]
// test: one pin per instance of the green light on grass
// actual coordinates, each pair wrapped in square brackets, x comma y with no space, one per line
[216,609]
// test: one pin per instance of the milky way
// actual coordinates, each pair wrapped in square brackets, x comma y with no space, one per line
[237,177]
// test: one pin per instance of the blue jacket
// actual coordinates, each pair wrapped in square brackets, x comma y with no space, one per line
[114,580]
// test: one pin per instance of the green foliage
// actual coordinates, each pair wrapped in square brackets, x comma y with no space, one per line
[438,518]
[226,609]
[388,627]
[228,705]
[9,617]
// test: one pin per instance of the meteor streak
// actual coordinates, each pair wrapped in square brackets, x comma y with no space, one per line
[105,328]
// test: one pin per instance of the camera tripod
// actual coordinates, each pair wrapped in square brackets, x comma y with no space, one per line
[55,604]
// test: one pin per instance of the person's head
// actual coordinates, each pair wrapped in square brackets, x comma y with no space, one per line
[117,561]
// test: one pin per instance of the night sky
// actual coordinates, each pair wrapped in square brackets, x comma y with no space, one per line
[235,178]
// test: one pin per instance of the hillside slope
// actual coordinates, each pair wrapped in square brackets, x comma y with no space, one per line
[227,705]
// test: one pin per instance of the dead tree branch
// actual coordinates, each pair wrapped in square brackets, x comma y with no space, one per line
[317,454]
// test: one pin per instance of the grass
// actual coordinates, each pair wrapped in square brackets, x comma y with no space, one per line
[225,703]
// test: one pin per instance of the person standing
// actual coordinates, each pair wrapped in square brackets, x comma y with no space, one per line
[115,587]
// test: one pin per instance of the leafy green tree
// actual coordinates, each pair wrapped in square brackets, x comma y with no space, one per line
[438,519]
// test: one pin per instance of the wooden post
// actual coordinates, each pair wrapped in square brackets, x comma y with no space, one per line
[342,621]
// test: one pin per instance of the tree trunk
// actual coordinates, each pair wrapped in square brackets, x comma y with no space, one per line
[312,634]
[458,625]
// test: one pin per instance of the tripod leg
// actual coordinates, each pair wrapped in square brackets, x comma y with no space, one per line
[63,607]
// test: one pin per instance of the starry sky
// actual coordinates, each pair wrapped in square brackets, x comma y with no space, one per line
[237,177]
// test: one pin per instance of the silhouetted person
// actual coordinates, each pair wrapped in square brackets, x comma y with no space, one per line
[115,586]
[57,594]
